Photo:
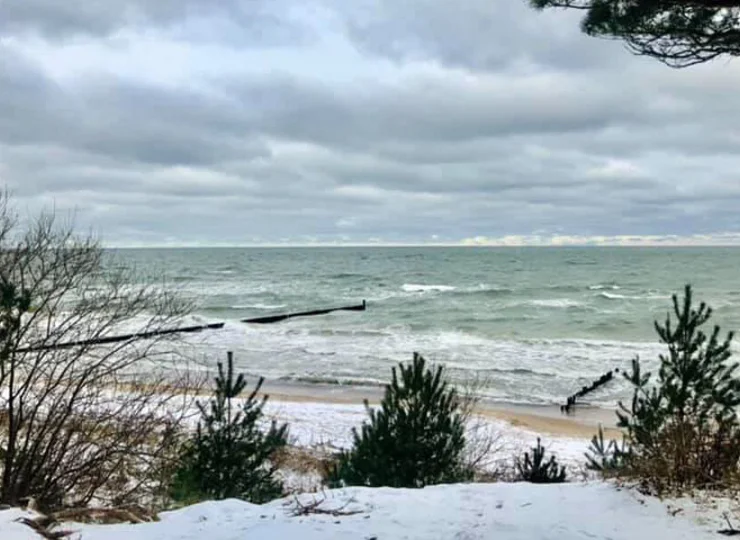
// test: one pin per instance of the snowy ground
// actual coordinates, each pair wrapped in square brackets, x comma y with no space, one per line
[501,511]
[330,425]
[314,424]
[498,511]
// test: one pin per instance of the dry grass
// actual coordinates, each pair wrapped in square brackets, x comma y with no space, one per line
[105,516]
[304,460]
[683,458]
[46,526]
[45,530]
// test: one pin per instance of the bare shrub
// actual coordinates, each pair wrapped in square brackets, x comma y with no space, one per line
[483,441]
[296,508]
[87,422]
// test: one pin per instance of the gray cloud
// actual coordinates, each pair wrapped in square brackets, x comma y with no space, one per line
[118,120]
[479,35]
[440,108]
[417,119]
[243,21]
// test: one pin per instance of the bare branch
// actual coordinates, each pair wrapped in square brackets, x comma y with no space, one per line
[92,422]
[679,33]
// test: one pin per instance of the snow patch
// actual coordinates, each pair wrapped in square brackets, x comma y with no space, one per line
[465,511]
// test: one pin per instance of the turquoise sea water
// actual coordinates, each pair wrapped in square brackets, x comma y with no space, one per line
[536,323]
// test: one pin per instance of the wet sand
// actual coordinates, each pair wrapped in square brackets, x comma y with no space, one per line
[583,423]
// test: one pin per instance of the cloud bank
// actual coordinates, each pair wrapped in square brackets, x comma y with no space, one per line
[192,122]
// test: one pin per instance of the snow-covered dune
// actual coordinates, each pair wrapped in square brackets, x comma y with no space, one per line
[474,511]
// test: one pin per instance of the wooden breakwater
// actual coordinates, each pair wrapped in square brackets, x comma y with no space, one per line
[598,383]
[116,339]
[277,318]
[104,340]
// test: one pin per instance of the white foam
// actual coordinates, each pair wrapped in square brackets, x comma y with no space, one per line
[615,296]
[601,287]
[416,288]
[413,287]
[612,296]
[258,306]
[304,350]
[555,303]
[486,288]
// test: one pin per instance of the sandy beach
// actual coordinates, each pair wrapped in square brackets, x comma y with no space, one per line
[546,420]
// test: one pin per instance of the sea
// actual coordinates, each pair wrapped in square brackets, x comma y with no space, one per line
[528,325]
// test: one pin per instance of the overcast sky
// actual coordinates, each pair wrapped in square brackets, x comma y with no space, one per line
[190,122]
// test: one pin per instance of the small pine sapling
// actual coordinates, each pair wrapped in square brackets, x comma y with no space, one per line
[537,470]
[230,456]
[606,457]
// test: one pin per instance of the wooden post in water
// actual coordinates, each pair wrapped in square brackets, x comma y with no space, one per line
[601,381]
[277,318]
[116,339]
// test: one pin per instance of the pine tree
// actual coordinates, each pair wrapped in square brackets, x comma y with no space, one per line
[606,457]
[679,33]
[229,455]
[416,437]
[537,470]
[682,427]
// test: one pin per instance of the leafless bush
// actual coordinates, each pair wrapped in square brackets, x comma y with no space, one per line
[686,452]
[483,441]
[297,508]
[88,422]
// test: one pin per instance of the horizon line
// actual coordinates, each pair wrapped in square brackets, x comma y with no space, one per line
[421,245]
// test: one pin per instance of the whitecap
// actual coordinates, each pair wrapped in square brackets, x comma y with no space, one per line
[258,306]
[413,287]
[613,296]
[601,287]
[556,303]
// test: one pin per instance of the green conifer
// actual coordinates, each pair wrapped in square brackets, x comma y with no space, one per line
[415,438]
[681,426]
[229,455]
[537,470]
[606,457]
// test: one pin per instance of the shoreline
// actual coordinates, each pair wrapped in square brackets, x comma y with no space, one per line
[545,419]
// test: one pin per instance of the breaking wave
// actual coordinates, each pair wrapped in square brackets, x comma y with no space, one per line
[258,306]
[615,296]
[413,287]
[557,303]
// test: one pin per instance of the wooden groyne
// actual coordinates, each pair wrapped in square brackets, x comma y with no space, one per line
[182,330]
[601,381]
[123,337]
[277,318]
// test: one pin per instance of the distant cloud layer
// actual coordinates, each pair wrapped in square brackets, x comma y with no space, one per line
[372,121]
